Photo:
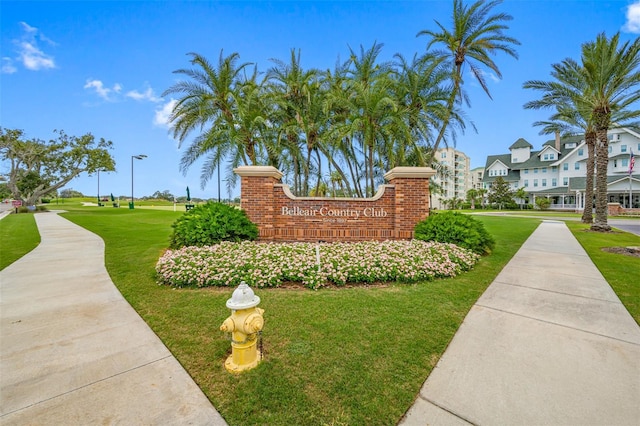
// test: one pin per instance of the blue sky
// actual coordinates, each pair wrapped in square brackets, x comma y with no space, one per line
[101,67]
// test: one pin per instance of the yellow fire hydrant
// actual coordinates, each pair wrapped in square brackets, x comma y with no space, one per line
[244,324]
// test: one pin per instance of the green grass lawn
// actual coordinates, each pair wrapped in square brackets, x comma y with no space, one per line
[621,271]
[335,356]
[356,355]
[18,236]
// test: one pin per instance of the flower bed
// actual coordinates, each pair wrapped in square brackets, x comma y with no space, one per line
[271,264]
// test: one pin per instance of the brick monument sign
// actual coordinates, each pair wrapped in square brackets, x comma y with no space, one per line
[391,214]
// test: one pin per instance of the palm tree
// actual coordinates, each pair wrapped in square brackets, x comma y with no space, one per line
[482,194]
[521,194]
[477,35]
[419,92]
[207,103]
[373,113]
[291,85]
[612,75]
[472,197]
[567,94]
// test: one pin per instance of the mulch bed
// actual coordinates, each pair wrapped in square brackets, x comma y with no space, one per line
[628,251]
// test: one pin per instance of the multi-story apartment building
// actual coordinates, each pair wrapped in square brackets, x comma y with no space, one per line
[558,170]
[476,177]
[453,178]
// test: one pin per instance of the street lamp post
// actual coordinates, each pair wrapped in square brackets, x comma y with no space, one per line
[137,157]
[98,187]
[99,170]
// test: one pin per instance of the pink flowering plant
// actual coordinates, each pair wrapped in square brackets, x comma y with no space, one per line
[272,264]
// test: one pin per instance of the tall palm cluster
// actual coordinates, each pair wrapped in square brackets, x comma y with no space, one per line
[589,97]
[336,131]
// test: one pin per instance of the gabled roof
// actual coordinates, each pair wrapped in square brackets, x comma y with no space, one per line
[548,148]
[622,155]
[510,177]
[565,140]
[503,158]
[534,162]
[580,183]
[521,143]
[506,164]
[557,190]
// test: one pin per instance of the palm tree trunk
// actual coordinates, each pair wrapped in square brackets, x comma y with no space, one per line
[371,182]
[587,214]
[450,105]
[602,160]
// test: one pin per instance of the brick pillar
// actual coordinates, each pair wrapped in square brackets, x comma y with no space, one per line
[411,197]
[257,197]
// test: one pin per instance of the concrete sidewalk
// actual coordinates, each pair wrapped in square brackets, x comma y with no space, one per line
[73,351]
[548,343]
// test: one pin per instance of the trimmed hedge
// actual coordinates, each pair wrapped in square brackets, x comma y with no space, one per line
[211,223]
[455,228]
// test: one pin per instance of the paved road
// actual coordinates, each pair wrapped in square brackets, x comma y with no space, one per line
[628,225]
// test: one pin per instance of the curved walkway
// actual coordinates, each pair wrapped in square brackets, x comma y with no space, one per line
[549,342]
[73,351]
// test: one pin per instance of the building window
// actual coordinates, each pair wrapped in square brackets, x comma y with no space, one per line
[535,182]
[615,163]
[535,170]
[625,162]
[443,155]
[554,182]
[565,181]
[544,182]
[552,156]
[581,152]
[576,166]
[544,170]
[639,147]
[526,171]
[554,169]
[565,166]
[515,160]
[610,149]
[623,148]
[526,183]
[546,157]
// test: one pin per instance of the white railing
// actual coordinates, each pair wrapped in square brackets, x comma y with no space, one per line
[562,206]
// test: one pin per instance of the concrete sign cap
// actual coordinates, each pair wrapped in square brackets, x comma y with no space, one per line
[243,297]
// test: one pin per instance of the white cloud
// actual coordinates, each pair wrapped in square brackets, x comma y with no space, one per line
[163,114]
[633,18]
[30,54]
[28,28]
[7,66]
[147,95]
[101,90]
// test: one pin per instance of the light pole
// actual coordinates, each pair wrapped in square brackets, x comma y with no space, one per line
[137,157]
[99,170]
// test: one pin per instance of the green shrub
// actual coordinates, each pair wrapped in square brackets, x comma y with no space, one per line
[456,228]
[32,209]
[211,223]
[543,203]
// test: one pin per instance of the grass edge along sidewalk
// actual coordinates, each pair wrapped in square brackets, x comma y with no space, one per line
[319,346]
